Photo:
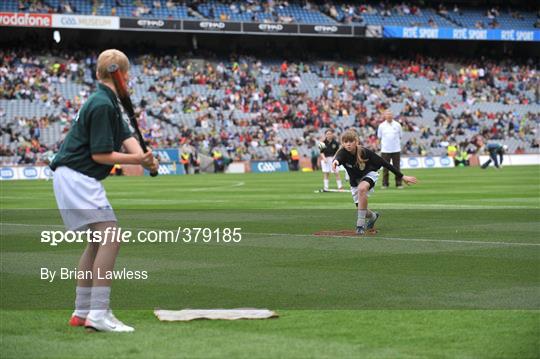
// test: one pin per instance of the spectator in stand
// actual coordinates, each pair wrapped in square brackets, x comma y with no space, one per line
[441,10]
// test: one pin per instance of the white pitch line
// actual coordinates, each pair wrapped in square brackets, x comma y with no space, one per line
[378,205]
[404,239]
[312,235]
[202,189]
[446,206]
[31,225]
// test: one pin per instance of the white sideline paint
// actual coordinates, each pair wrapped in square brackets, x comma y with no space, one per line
[432,240]
[404,239]
[447,206]
[378,205]
[203,189]
[460,206]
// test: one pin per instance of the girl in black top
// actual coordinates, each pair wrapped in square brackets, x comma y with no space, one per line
[362,165]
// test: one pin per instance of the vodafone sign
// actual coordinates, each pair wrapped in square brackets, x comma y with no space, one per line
[25,19]
[59,21]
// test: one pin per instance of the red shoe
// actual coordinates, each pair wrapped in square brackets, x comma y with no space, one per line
[76,321]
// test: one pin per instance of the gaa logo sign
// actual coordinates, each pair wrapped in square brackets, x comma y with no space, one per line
[47,172]
[429,162]
[413,162]
[165,169]
[163,155]
[271,27]
[326,29]
[151,23]
[69,21]
[6,173]
[30,172]
[268,166]
[209,25]
[446,161]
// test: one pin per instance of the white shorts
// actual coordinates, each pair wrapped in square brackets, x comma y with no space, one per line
[326,165]
[81,199]
[374,176]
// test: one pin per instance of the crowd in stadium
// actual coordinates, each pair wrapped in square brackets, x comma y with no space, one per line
[413,13]
[249,103]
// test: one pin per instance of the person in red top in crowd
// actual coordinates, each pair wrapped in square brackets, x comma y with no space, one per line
[284,67]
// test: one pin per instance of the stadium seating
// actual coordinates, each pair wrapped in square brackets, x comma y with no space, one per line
[214,9]
[240,11]
[310,83]
[470,18]
[521,103]
[404,20]
[85,7]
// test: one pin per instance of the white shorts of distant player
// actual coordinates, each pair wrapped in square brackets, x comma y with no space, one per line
[81,199]
[374,176]
[326,166]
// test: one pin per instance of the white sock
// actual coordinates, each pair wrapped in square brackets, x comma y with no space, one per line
[82,301]
[361,221]
[339,185]
[325,184]
[100,302]
[370,214]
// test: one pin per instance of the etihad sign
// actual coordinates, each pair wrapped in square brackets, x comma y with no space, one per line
[151,23]
[212,25]
[25,19]
[271,27]
[326,29]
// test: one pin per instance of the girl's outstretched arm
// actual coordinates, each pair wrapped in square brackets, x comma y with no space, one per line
[409,180]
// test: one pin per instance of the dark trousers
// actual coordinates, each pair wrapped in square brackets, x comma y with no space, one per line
[493,157]
[395,158]
[315,163]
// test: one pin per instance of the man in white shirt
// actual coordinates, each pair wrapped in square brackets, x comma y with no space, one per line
[389,134]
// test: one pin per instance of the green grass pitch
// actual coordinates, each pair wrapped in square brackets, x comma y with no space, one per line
[454,271]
